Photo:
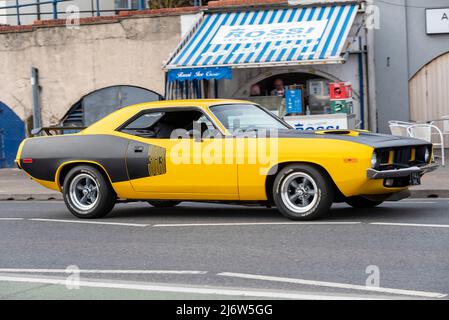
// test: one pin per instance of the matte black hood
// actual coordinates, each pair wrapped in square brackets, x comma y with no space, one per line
[375,140]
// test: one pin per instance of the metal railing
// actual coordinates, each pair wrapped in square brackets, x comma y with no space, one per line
[141,4]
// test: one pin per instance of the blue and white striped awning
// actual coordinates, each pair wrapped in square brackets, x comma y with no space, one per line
[266,37]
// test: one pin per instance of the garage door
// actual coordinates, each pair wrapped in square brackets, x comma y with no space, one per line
[429,91]
[12,132]
[102,102]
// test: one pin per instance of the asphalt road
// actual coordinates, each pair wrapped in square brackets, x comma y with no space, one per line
[217,251]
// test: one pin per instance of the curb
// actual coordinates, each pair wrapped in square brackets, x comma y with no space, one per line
[33,196]
[429,193]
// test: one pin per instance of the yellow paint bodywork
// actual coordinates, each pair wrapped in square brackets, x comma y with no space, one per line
[48,184]
[241,179]
[350,178]
[185,181]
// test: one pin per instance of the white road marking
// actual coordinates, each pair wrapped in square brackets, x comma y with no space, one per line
[410,224]
[93,271]
[232,223]
[93,222]
[185,289]
[423,294]
[251,224]
[410,202]
[425,199]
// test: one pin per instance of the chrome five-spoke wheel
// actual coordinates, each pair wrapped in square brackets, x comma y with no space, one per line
[87,192]
[299,192]
[84,191]
[303,191]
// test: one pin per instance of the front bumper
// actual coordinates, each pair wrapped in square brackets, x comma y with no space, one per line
[400,173]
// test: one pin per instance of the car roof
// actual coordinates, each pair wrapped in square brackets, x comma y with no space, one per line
[113,120]
[185,102]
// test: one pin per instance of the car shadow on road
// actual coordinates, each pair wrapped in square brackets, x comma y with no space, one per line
[195,211]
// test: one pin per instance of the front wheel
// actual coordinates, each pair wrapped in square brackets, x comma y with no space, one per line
[302,192]
[87,193]
[361,202]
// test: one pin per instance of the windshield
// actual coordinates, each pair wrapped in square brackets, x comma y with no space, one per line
[246,117]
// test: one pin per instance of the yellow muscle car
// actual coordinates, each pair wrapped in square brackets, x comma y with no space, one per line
[221,151]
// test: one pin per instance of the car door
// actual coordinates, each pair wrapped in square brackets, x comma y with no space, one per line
[188,168]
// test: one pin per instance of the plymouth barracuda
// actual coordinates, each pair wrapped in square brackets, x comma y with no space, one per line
[225,151]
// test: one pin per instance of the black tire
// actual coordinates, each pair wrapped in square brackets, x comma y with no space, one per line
[321,189]
[361,202]
[164,203]
[105,195]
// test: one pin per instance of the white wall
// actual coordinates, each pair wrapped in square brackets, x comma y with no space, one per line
[188,21]
[75,62]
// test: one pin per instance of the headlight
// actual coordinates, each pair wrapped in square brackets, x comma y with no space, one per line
[427,155]
[374,160]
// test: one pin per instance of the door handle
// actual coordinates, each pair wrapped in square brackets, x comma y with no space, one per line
[138,149]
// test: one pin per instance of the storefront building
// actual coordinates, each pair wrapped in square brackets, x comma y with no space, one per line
[306,63]
[412,61]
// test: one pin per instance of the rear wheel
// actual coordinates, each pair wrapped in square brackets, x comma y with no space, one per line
[87,193]
[163,203]
[361,202]
[302,192]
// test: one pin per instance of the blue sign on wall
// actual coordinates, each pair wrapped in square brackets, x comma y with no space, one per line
[293,101]
[12,132]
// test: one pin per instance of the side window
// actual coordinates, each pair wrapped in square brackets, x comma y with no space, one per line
[161,125]
[143,125]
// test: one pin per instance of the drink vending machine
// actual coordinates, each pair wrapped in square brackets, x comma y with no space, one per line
[341,97]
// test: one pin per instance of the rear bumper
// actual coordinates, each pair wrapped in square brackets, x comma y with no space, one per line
[399,173]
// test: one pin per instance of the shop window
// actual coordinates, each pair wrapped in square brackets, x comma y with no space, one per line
[314,94]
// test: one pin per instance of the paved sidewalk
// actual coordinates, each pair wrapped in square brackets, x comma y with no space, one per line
[16,185]
[433,185]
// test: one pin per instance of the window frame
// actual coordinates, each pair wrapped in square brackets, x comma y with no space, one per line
[252,104]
